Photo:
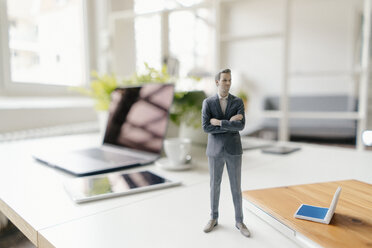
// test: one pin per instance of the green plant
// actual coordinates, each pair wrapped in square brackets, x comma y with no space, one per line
[242,95]
[186,105]
[101,87]
[187,108]
[150,76]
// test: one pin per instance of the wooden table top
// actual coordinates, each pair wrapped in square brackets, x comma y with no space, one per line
[351,225]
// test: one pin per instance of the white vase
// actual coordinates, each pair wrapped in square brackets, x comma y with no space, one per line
[102,117]
[197,135]
[172,130]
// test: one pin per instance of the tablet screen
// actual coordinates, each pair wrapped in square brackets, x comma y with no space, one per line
[113,184]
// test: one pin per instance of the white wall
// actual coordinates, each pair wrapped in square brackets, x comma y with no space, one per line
[322,40]
[323,50]
[253,58]
[255,63]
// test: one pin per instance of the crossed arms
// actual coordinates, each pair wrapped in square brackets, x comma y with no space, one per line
[216,122]
[213,125]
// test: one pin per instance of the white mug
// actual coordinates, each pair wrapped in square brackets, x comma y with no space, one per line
[177,150]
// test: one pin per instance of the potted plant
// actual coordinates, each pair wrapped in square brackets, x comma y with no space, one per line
[101,87]
[185,111]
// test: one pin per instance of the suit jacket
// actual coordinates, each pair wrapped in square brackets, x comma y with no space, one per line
[225,137]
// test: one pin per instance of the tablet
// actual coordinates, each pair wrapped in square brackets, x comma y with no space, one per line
[91,188]
[280,149]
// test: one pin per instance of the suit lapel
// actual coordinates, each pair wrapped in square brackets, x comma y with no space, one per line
[219,109]
[228,104]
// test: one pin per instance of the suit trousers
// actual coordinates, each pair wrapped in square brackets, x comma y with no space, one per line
[234,165]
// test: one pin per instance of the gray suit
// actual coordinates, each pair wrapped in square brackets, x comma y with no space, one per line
[224,146]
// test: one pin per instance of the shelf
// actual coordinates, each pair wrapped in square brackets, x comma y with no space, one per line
[232,38]
[272,114]
[19,103]
[325,73]
[357,73]
[314,115]
[231,1]
[324,115]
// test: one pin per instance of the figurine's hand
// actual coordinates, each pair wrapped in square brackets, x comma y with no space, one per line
[215,122]
[237,117]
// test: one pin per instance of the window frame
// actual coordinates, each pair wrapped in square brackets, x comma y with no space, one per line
[10,88]
[131,15]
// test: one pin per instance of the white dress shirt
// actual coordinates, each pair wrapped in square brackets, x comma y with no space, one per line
[223,102]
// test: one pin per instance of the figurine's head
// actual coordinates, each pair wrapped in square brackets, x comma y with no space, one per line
[223,82]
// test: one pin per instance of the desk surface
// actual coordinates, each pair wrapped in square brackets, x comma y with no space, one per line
[31,195]
[351,225]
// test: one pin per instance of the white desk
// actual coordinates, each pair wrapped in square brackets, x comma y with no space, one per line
[31,195]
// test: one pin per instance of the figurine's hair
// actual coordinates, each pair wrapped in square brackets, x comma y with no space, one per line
[218,75]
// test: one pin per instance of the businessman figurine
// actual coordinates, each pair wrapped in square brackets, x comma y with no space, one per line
[223,118]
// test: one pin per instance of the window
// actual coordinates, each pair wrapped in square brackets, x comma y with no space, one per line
[147,36]
[190,41]
[177,31]
[46,42]
[146,6]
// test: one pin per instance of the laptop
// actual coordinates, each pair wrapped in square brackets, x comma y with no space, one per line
[318,214]
[136,127]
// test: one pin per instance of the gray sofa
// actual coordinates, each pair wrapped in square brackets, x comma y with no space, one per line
[315,128]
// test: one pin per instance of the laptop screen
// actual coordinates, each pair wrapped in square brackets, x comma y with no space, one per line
[138,117]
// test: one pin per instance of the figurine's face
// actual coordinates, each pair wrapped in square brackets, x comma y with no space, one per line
[224,84]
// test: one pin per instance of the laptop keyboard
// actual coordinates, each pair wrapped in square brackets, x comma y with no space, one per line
[107,156]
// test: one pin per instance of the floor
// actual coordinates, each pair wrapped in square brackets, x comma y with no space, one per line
[11,237]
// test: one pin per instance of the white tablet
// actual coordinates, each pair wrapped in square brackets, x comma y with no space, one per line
[91,188]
